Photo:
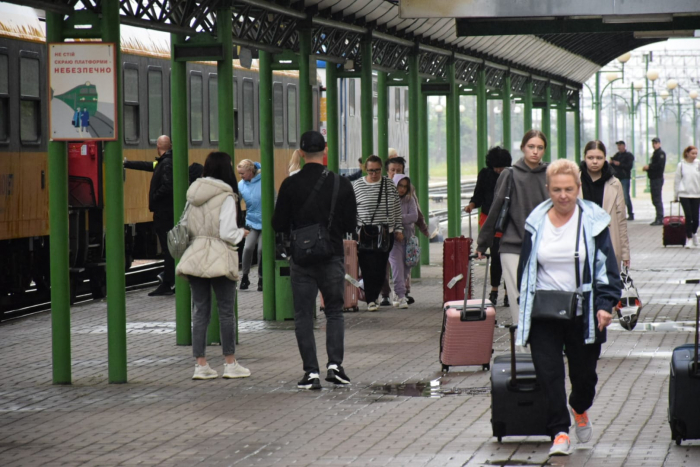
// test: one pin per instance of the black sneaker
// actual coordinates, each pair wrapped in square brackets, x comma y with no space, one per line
[410,300]
[385,302]
[630,217]
[310,381]
[162,290]
[505,301]
[657,222]
[493,297]
[337,375]
[260,285]
[244,282]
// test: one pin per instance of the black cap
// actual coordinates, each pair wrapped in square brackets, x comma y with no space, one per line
[656,140]
[312,141]
[620,142]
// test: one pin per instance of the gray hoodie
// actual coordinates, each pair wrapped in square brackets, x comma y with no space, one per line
[529,190]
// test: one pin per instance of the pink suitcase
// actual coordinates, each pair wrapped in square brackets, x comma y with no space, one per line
[467,331]
[351,293]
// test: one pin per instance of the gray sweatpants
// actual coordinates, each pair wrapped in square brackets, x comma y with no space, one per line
[225,291]
[253,238]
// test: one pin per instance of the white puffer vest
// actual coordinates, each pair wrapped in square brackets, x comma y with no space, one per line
[207,255]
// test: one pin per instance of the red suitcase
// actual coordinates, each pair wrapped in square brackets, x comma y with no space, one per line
[455,266]
[674,228]
[467,331]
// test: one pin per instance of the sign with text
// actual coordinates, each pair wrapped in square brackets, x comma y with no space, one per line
[83,91]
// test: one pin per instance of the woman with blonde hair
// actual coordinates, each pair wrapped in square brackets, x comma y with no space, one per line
[294,163]
[250,187]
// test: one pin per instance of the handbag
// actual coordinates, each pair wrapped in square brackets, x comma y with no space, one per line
[559,305]
[630,305]
[377,237]
[178,237]
[412,252]
[312,244]
[503,217]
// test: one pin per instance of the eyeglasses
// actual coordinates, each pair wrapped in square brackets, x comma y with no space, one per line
[373,171]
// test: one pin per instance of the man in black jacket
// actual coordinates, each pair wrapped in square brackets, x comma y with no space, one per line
[292,212]
[655,171]
[622,162]
[160,203]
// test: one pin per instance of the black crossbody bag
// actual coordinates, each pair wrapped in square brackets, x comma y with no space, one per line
[376,237]
[312,244]
[558,305]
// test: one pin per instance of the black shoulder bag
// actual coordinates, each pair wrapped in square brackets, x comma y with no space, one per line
[503,217]
[312,244]
[558,305]
[376,237]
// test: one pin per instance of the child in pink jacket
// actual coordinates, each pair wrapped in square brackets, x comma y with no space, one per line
[400,273]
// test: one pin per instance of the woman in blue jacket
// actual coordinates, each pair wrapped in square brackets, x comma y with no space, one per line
[250,189]
[559,223]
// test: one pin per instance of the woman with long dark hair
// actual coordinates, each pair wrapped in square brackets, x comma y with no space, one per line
[211,260]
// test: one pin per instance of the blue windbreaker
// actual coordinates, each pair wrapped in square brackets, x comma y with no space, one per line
[252,195]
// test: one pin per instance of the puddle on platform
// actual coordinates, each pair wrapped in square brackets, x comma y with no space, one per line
[434,389]
[515,462]
[666,326]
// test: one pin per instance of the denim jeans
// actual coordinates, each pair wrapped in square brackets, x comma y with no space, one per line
[656,185]
[328,277]
[254,238]
[628,200]
[225,291]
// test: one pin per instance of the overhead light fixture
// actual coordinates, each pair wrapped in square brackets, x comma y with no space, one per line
[639,85]
[664,94]
[624,58]
[627,19]
[693,94]
[652,75]
[671,84]
[612,77]
[663,34]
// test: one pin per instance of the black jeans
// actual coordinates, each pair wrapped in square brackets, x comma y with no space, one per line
[547,340]
[328,277]
[656,185]
[690,208]
[626,183]
[373,266]
[496,268]
[163,223]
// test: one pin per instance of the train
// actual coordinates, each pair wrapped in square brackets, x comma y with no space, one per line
[24,100]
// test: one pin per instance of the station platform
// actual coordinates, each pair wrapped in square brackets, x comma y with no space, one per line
[391,415]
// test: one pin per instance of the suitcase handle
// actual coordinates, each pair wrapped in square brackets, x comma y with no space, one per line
[671,207]
[695,369]
[482,309]
[513,375]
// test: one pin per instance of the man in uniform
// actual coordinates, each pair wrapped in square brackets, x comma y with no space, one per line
[622,162]
[655,172]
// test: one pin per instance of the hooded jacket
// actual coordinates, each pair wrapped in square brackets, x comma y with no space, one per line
[600,282]
[211,252]
[251,192]
[529,190]
[409,208]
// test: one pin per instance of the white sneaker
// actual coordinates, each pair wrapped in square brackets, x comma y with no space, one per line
[687,246]
[695,239]
[403,303]
[372,306]
[234,370]
[204,372]
[561,445]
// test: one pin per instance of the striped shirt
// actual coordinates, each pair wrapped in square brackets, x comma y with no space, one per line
[389,210]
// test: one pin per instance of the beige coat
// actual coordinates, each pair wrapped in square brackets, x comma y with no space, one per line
[207,255]
[614,205]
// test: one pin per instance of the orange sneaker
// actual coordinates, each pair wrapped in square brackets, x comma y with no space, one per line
[584,427]
[561,445]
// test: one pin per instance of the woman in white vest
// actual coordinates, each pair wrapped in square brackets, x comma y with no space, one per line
[211,260]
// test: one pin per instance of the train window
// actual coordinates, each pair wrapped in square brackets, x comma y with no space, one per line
[248,114]
[291,114]
[405,104]
[131,104]
[314,100]
[278,105]
[397,104]
[213,108]
[155,105]
[351,97]
[196,108]
[235,109]
[4,98]
[374,99]
[30,100]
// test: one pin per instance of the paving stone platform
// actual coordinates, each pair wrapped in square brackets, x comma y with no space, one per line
[389,416]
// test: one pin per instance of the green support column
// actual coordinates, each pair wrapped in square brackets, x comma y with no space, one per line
[267,159]
[547,122]
[596,105]
[577,128]
[332,117]
[482,129]
[306,116]
[366,98]
[414,140]
[178,123]
[58,220]
[561,126]
[527,111]
[454,170]
[382,117]
[632,114]
[421,114]
[114,213]
[507,137]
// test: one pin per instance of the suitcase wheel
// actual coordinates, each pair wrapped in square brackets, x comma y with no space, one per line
[678,441]
[500,439]
[445,368]
[486,367]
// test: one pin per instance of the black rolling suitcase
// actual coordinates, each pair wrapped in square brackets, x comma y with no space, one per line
[518,406]
[684,389]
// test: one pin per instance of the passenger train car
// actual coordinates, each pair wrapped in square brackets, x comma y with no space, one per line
[24,96]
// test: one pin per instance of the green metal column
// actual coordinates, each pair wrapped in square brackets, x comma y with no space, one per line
[680,122]
[414,140]
[596,105]
[507,137]
[482,125]
[577,128]
[547,122]
[332,116]
[421,114]
[632,114]
[178,123]
[114,213]
[561,125]
[454,178]
[366,98]
[527,111]
[267,159]
[58,220]
[382,117]
[306,116]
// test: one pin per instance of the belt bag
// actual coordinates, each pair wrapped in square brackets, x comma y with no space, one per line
[559,305]
[375,238]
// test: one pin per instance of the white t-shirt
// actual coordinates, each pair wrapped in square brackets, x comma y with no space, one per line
[555,257]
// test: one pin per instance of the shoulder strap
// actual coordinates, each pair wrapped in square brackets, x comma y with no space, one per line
[576,254]
[336,187]
[379,200]
[317,187]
